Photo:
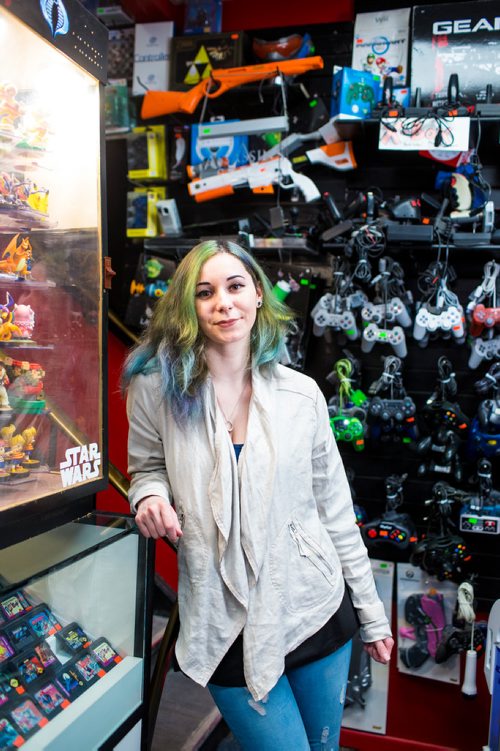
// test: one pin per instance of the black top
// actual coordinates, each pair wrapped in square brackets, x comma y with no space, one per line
[334,634]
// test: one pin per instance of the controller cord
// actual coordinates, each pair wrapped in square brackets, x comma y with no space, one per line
[465,607]
[343,371]
[446,379]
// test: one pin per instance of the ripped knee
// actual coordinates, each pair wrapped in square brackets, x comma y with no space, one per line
[258,705]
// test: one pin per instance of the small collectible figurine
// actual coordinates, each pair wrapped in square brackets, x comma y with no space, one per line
[24,318]
[29,435]
[26,392]
[4,382]
[17,258]
[7,327]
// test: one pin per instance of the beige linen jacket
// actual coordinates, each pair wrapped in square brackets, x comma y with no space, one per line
[268,541]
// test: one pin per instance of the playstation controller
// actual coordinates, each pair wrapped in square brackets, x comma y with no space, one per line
[430,320]
[392,409]
[484,349]
[373,335]
[483,318]
[323,316]
[389,312]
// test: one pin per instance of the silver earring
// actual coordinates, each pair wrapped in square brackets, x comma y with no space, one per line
[259,303]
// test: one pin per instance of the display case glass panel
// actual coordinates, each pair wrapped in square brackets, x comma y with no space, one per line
[50,270]
[72,633]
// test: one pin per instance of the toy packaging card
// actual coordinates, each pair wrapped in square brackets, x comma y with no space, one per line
[368,687]
[217,152]
[9,734]
[121,53]
[116,106]
[152,56]
[149,284]
[461,38]
[146,157]
[381,44]
[354,93]
[142,215]
[178,151]
[203,17]
[425,606]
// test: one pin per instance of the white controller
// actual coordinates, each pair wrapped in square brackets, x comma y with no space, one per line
[373,335]
[323,317]
[393,310]
[484,349]
[429,321]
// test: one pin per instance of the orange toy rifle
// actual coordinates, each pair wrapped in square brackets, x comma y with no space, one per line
[157,103]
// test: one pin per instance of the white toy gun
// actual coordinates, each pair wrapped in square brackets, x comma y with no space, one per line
[335,153]
[259,177]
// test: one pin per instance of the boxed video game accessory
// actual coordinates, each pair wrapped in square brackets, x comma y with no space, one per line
[460,38]
[354,93]
[195,56]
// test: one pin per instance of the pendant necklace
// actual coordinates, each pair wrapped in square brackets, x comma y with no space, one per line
[227,420]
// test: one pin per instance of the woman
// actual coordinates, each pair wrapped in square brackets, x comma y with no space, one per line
[267,537]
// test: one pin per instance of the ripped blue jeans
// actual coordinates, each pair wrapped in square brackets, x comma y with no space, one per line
[302,712]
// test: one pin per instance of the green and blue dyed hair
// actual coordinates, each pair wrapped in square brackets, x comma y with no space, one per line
[173,344]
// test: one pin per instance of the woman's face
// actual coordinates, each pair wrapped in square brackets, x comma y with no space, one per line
[226,300]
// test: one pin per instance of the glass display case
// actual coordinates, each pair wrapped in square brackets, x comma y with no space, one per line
[51,288]
[73,634]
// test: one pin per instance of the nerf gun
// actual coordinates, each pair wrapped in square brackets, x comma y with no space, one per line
[157,103]
[259,176]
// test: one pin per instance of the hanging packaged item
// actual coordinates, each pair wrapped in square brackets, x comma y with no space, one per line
[152,56]
[380,44]
[195,56]
[456,38]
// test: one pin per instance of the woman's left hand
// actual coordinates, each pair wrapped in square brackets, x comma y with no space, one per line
[380,650]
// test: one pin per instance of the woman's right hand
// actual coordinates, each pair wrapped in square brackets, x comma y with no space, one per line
[156,518]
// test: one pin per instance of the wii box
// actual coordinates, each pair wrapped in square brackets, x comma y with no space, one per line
[152,57]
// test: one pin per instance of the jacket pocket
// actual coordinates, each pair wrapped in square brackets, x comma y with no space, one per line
[310,549]
[304,575]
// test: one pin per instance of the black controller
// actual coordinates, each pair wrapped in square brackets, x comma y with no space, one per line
[445,557]
[387,409]
[454,640]
[394,528]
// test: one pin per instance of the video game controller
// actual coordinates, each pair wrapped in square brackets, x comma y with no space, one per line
[348,429]
[396,529]
[455,640]
[374,335]
[483,318]
[432,320]
[446,414]
[443,556]
[426,616]
[323,317]
[394,310]
[395,409]
[484,349]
